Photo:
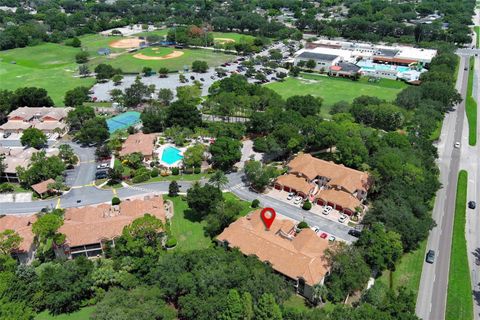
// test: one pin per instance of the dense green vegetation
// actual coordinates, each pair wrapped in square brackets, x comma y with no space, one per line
[459,293]
[471,106]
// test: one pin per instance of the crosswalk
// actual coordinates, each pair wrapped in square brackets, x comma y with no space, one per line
[237,187]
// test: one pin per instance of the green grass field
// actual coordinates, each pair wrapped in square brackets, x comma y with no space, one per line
[93,42]
[237,37]
[81,314]
[471,106]
[408,271]
[459,294]
[332,90]
[130,64]
[477,31]
[46,66]
[157,52]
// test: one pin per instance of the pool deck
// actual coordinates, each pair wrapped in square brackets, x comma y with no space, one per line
[159,151]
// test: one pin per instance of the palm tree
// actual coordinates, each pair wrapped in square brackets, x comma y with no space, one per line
[218,179]
[319,292]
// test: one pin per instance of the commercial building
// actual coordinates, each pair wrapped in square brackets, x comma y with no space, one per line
[325,183]
[49,120]
[141,143]
[88,229]
[19,157]
[22,225]
[299,256]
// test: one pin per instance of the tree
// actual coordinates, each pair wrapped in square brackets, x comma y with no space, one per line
[76,96]
[163,72]
[141,303]
[33,138]
[165,96]
[305,105]
[74,42]
[82,57]
[67,154]
[142,236]
[40,169]
[267,308]
[258,175]
[223,215]
[134,94]
[193,156]
[183,114]
[173,189]
[77,117]
[106,71]
[203,200]
[381,248]
[9,240]
[154,119]
[31,97]
[189,94]
[45,229]
[199,66]
[94,131]
[311,64]
[234,308]
[218,179]
[225,153]
[147,71]
[117,79]
[83,70]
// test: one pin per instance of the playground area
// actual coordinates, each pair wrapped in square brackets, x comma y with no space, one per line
[123,121]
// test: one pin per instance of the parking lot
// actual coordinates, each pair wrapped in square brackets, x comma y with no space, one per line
[333,214]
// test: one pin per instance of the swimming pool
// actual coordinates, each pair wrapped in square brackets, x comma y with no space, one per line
[123,121]
[170,155]
[367,65]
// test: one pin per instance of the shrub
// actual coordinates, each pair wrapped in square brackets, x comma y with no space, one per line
[142,177]
[188,171]
[255,203]
[115,201]
[6,187]
[154,173]
[175,171]
[307,205]
[171,242]
[302,225]
[197,170]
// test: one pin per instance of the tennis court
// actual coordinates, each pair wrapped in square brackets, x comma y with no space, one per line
[123,121]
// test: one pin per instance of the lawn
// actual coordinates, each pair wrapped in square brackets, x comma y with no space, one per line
[93,42]
[471,106]
[477,31]
[82,314]
[332,90]
[408,271]
[190,234]
[246,206]
[157,51]
[43,66]
[237,37]
[180,177]
[296,302]
[130,64]
[459,294]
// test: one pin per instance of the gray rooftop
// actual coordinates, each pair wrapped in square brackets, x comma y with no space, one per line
[317,56]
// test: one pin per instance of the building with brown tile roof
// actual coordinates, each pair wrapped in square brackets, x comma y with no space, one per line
[139,142]
[334,184]
[42,187]
[19,157]
[44,119]
[87,229]
[23,226]
[298,256]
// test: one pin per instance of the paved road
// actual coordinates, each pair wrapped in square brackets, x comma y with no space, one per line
[431,300]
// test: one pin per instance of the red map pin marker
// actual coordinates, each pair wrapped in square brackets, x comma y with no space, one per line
[268,215]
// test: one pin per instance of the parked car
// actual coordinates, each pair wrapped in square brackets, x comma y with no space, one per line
[355,233]
[472,204]
[7,134]
[430,256]
[324,235]
[326,210]
[316,229]
[290,196]
[101,174]
[342,218]
[457,145]
[331,238]
[192,77]
[201,79]
[298,200]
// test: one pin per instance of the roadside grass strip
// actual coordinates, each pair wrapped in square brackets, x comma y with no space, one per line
[477,31]
[471,107]
[459,294]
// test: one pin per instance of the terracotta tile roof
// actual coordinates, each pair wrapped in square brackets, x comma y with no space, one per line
[23,226]
[393,59]
[27,113]
[92,224]
[344,199]
[20,157]
[42,187]
[15,125]
[139,142]
[300,256]
[339,175]
[49,125]
[297,183]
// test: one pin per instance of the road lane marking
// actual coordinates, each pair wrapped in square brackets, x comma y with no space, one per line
[114,191]
[58,204]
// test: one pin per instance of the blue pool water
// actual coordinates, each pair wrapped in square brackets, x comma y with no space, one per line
[123,121]
[170,155]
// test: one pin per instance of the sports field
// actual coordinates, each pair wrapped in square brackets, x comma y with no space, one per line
[336,89]
[49,65]
[130,64]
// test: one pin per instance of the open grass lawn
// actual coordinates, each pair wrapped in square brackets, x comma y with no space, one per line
[180,177]
[296,302]
[237,37]
[332,90]
[459,294]
[408,271]
[246,206]
[157,51]
[160,32]
[471,106]
[82,314]
[93,42]
[189,234]
[130,64]
[45,66]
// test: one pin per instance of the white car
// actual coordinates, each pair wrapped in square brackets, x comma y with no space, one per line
[342,218]
[298,200]
[331,238]
[290,196]
[326,210]
[457,145]
[316,229]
